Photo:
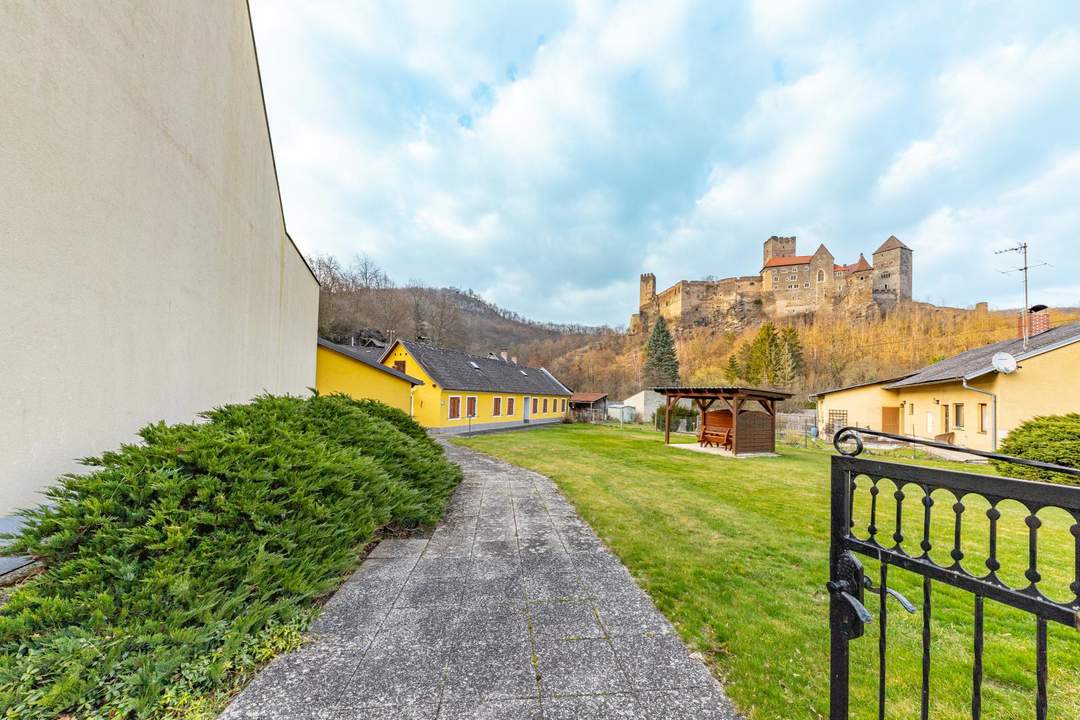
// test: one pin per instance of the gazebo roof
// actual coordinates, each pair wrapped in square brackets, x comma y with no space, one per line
[719,391]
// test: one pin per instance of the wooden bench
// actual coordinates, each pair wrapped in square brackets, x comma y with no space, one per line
[715,437]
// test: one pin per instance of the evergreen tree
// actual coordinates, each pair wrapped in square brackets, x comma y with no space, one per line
[731,373]
[661,361]
[748,370]
[790,338]
[763,354]
[784,372]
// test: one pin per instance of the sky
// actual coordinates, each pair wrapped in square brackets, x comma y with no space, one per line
[544,154]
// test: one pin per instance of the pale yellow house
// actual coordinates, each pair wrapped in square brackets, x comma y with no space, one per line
[359,374]
[463,392]
[964,399]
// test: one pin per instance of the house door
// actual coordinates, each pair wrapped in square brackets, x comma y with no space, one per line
[890,420]
[526,407]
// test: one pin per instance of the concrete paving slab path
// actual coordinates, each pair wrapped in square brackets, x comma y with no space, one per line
[512,609]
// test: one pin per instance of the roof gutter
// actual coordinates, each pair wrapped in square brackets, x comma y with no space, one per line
[993,410]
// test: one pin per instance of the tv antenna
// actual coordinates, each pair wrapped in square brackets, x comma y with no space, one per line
[1022,248]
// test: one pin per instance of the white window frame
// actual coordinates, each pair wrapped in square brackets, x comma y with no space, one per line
[450,407]
[511,406]
[496,406]
[476,406]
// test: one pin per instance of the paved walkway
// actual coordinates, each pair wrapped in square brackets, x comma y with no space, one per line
[513,610]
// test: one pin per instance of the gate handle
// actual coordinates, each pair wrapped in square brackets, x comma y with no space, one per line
[837,588]
[869,585]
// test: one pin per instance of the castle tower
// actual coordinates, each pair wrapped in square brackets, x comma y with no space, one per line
[778,247]
[892,271]
[647,289]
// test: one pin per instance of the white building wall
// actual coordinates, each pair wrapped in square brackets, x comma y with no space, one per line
[145,271]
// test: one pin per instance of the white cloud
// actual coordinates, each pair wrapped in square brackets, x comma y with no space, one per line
[547,152]
[980,98]
[953,245]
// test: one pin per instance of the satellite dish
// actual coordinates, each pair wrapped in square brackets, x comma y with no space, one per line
[1004,363]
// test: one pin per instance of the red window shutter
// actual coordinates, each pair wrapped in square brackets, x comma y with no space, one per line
[509,406]
[399,365]
[455,407]
[470,406]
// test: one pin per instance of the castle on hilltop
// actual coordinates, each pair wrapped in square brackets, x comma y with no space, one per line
[788,284]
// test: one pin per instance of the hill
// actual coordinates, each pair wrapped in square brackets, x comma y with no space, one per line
[360,304]
[832,349]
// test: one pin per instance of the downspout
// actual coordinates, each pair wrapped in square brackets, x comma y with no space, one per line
[993,410]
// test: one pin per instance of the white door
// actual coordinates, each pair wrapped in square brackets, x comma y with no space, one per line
[527,407]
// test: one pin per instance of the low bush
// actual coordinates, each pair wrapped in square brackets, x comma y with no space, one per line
[1053,439]
[177,565]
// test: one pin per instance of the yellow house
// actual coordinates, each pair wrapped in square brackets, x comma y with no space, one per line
[352,371]
[463,392]
[965,399]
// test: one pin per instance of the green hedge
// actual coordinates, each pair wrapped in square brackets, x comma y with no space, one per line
[1053,438]
[178,564]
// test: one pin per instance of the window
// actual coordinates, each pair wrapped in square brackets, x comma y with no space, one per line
[545,404]
[535,404]
[470,406]
[455,407]
[399,365]
[564,405]
[496,407]
[510,406]
[958,416]
[806,284]
[982,418]
[821,276]
[911,409]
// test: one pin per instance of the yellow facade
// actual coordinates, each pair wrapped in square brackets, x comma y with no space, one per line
[338,373]
[1045,384]
[433,405]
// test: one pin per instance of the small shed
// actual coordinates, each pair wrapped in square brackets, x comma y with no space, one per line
[745,417]
[621,412]
[589,406]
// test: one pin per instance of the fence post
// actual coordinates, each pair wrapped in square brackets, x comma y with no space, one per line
[840,486]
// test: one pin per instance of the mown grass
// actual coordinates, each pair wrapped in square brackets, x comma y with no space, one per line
[734,552]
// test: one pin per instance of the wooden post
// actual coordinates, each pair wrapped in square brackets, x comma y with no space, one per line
[736,401]
[667,420]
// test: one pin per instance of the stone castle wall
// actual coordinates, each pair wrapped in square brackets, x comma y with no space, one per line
[803,285]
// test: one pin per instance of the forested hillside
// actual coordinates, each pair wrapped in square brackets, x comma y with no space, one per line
[359,301]
[804,355]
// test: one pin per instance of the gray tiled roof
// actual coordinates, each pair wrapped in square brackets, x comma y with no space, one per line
[368,358]
[454,370]
[976,362]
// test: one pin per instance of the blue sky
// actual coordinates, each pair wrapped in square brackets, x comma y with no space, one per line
[544,154]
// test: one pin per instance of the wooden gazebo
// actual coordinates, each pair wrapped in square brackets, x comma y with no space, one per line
[745,418]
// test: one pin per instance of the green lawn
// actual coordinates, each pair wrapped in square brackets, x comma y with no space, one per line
[734,552]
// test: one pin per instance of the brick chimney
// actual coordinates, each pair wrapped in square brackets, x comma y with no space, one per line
[1038,320]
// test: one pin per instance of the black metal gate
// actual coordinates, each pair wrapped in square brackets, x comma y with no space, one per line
[913,489]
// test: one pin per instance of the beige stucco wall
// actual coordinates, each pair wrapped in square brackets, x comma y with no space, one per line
[1044,385]
[862,404]
[145,273]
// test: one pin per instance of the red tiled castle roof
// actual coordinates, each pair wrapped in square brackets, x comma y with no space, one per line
[789,260]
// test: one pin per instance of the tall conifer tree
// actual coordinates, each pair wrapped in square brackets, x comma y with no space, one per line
[661,360]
